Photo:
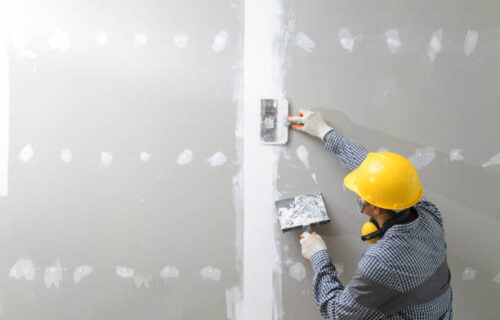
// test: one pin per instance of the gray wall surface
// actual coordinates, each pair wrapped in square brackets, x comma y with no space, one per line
[402,101]
[155,78]
[109,77]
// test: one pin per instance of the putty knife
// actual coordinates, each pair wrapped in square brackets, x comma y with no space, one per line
[273,113]
[301,212]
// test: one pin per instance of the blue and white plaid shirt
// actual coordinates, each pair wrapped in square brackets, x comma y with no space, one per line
[407,259]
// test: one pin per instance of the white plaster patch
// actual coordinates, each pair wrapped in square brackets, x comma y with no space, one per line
[392,40]
[339,268]
[185,157]
[469,273]
[101,38]
[470,42]
[496,279]
[23,268]
[59,40]
[26,153]
[383,149]
[143,281]
[20,45]
[303,155]
[422,157]
[220,40]
[81,272]
[435,45]
[53,275]
[210,273]
[314,178]
[346,38]
[303,41]
[4,112]
[217,159]
[493,161]
[297,271]
[180,40]
[144,156]
[456,155]
[66,155]
[288,262]
[140,39]
[234,303]
[125,272]
[106,159]
[169,272]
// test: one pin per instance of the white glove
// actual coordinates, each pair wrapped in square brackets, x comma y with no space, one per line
[311,243]
[310,122]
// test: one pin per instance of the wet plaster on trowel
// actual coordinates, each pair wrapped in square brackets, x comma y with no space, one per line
[263,76]
[4,106]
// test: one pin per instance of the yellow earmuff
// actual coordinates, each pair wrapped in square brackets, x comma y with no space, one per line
[367,229]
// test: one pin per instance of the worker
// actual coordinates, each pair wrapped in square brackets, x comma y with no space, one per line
[404,273]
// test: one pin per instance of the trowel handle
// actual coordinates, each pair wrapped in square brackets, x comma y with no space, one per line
[308,229]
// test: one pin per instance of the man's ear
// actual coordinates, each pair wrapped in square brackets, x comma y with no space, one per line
[376,210]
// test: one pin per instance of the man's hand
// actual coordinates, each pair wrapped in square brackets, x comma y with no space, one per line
[311,243]
[311,123]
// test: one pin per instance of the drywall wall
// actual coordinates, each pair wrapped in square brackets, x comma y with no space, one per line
[132,183]
[419,79]
[121,160]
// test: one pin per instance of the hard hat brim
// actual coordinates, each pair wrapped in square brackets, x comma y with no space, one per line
[350,181]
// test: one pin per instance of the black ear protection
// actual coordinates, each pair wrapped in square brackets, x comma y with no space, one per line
[368,233]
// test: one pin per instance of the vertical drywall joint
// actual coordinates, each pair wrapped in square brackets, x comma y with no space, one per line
[4,103]
[263,78]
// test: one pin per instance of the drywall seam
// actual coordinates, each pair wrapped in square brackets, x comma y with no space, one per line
[263,78]
[4,106]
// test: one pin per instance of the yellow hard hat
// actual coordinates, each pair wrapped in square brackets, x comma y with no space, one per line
[386,180]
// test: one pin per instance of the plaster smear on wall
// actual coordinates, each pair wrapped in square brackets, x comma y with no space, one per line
[26,153]
[218,159]
[53,275]
[60,41]
[435,45]
[470,42]
[297,271]
[314,178]
[265,39]
[303,155]
[185,157]
[496,279]
[422,157]
[493,161]
[220,40]
[303,41]
[180,41]
[144,156]
[4,110]
[210,273]
[140,39]
[23,268]
[469,273]
[125,272]
[233,303]
[456,155]
[66,156]
[101,38]
[143,281]
[392,40]
[81,272]
[106,159]
[20,45]
[169,272]
[346,38]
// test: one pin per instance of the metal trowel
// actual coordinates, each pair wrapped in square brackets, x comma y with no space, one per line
[302,211]
[273,127]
